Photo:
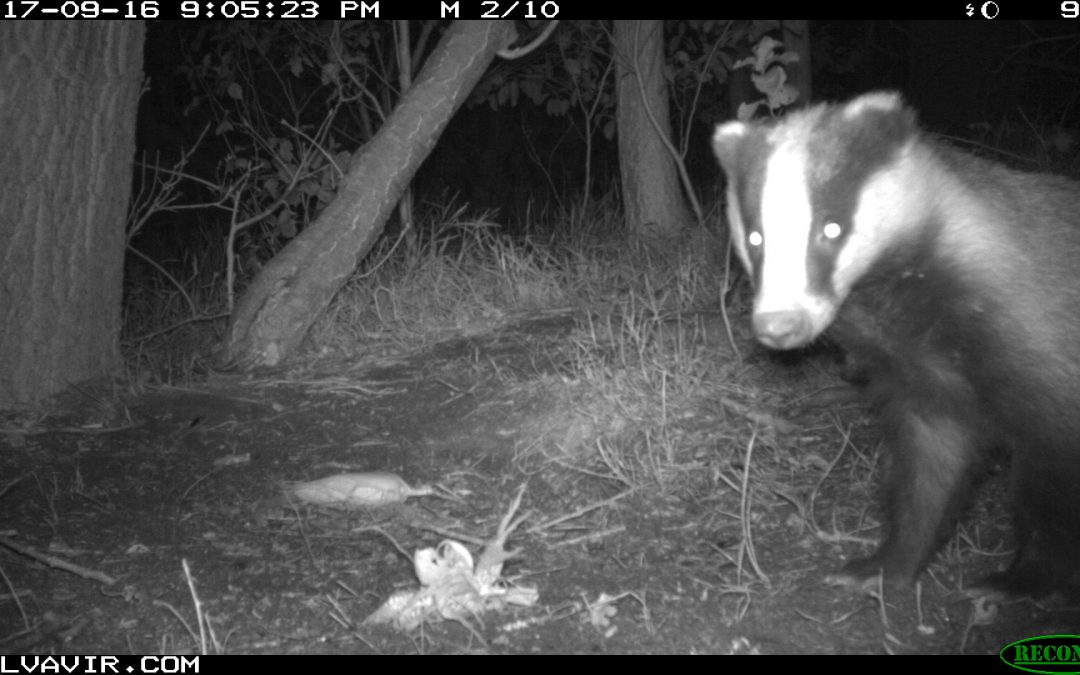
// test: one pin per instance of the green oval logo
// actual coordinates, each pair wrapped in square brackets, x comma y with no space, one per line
[1044,654]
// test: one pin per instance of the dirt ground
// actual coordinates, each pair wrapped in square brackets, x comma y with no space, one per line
[125,491]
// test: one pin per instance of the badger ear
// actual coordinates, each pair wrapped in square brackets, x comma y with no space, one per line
[881,116]
[726,142]
[874,102]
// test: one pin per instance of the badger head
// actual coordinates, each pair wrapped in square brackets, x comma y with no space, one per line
[814,201]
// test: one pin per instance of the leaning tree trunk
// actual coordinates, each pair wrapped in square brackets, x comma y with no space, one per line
[287,296]
[652,198]
[69,95]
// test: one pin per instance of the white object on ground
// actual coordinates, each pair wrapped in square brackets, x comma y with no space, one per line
[358,490]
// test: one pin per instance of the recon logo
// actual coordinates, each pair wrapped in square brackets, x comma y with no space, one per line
[1044,654]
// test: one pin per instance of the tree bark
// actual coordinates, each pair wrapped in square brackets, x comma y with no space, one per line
[69,95]
[276,311]
[651,194]
[796,38]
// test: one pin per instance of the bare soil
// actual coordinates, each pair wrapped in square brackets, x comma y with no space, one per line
[131,487]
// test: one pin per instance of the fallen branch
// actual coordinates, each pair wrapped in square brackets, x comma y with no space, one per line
[53,561]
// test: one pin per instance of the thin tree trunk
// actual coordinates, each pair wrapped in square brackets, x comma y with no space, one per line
[796,38]
[652,197]
[287,296]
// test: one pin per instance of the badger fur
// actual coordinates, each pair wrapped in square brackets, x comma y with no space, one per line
[954,282]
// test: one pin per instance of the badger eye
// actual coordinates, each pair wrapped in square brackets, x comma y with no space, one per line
[755,239]
[832,230]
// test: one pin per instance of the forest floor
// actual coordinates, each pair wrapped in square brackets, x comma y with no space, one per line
[130,522]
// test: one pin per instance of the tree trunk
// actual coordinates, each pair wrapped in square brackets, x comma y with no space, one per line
[69,95]
[276,311]
[796,38]
[652,197]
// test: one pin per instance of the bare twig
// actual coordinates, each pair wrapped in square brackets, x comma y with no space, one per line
[578,513]
[58,563]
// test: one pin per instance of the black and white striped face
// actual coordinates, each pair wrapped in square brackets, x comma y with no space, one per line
[813,202]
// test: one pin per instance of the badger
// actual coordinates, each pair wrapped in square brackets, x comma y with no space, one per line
[954,283]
